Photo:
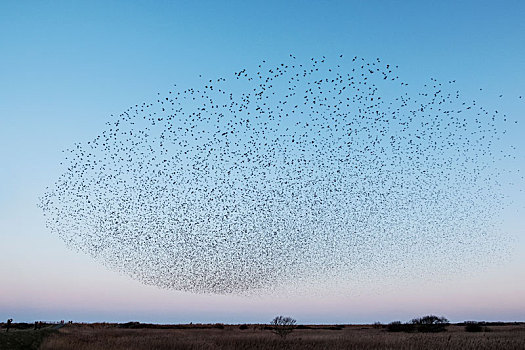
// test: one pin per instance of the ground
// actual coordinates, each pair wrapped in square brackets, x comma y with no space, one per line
[197,337]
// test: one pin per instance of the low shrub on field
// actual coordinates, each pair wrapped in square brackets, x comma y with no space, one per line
[398,326]
[425,324]
[431,324]
[19,325]
[473,326]
[302,326]
[132,325]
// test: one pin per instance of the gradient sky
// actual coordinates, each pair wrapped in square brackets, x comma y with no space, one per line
[66,66]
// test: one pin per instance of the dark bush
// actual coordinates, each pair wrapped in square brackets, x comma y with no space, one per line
[473,326]
[397,326]
[430,324]
[302,326]
[130,325]
[243,327]
[218,326]
[22,325]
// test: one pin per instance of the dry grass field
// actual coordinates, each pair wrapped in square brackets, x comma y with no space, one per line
[111,337]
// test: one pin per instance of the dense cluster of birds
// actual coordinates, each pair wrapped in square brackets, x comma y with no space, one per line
[287,174]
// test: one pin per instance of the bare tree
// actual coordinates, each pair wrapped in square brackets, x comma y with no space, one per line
[282,326]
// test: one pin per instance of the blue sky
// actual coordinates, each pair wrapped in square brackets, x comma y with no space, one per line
[66,66]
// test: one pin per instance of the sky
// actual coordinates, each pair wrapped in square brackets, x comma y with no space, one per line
[66,66]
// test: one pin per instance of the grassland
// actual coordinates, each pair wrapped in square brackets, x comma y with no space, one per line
[24,339]
[200,337]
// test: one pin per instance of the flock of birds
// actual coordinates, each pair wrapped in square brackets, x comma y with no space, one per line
[325,169]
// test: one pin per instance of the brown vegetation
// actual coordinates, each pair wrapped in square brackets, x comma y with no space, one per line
[200,337]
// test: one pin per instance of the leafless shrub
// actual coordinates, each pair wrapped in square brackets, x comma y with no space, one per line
[282,326]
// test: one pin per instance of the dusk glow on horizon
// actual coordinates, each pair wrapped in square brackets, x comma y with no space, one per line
[341,162]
